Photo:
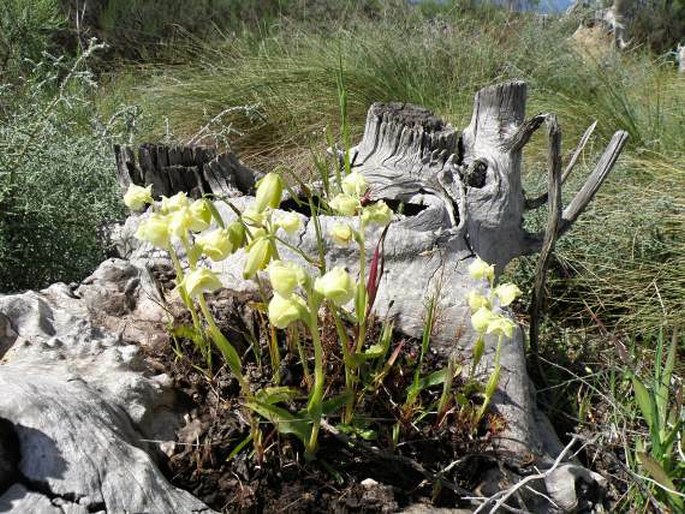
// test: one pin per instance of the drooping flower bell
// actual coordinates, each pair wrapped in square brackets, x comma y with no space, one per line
[155,230]
[137,197]
[201,280]
[258,256]
[481,270]
[176,202]
[336,286]
[377,213]
[284,310]
[342,234]
[217,244]
[285,277]
[345,205]
[290,222]
[354,184]
[507,293]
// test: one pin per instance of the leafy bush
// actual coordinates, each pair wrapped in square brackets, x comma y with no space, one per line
[57,180]
[27,28]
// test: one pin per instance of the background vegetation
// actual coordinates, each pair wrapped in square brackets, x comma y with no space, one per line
[170,67]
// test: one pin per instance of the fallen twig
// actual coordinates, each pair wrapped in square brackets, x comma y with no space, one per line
[502,497]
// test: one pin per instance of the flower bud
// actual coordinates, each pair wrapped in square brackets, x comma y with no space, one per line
[285,277]
[507,293]
[481,270]
[201,280]
[155,230]
[236,234]
[269,192]
[174,203]
[345,205]
[378,213]
[200,215]
[290,222]
[337,286]
[215,244]
[354,184]
[258,256]
[137,197]
[342,234]
[284,310]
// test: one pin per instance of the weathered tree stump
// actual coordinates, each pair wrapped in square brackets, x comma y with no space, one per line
[197,170]
[80,401]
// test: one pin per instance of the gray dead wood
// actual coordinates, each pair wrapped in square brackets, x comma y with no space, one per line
[79,408]
[194,169]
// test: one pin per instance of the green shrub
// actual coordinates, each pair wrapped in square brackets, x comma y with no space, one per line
[57,180]
[27,29]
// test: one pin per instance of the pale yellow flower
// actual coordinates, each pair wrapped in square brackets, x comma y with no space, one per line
[253,216]
[337,286]
[258,256]
[290,222]
[216,244]
[481,319]
[137,197]
[345,205]
[480,270]
[285,277]
[155,230]
[378,213]
[354,184]
[284,310]
[477,300]
[501,326]
[201,280]
[507,293]
[342,234]
[174,203]
[200,215]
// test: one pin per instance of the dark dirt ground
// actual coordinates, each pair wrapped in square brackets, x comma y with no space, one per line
[433,464]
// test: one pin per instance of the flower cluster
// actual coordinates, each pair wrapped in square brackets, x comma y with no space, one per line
[349,203]
[187,221]
[487,316]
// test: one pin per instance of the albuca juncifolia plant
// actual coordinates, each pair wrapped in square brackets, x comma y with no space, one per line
[301,297]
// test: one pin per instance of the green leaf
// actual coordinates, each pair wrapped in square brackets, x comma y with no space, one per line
[656,471]
[227,350]
[284,421]
[273,395]
[643,399]
[235,451]
[664,387]
[333,404]
[434,379]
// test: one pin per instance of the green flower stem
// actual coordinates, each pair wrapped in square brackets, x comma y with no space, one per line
[316,396]
[350,369]
[227,349]
[319,237]
[491,385]
[189,303]
[295,249]
[361,288]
